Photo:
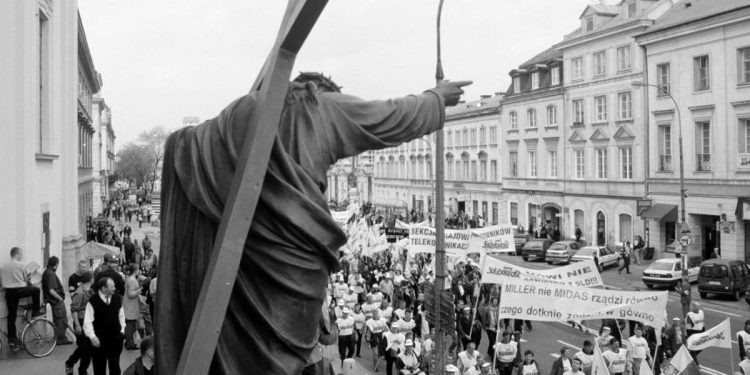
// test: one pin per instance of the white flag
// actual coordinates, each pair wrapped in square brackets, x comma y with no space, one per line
[719,336]
[598,365]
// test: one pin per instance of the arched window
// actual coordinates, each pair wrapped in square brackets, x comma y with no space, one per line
[601,229]
[449,138]
[578,222]
[551,115]
[531,118]
[513,119]
[402,166]
[449,166]
[626,227]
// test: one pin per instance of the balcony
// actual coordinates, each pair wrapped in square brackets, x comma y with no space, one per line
[703,163]
[665,163]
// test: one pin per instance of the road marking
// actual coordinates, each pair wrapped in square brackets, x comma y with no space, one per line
[722,312]
[712,371]
[581,328]
[568,345]
[613,287]
[555,355]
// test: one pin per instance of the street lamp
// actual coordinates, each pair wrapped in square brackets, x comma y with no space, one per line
[684,228]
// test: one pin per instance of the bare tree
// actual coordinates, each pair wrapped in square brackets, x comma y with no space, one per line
[154,140]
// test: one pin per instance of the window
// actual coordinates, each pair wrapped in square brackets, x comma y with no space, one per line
[589,23]
[513,159]
[467,171]
[532,163]
[534,80]
[449,169]
[473,138]
[601,163]
[493,135]
[631,9]
[743,55]
[701,73]
[459,173]
[514,213]
[483,170]
[531,118]
[458,138]
[551,115]
[513,120]
[577,68]
[600,106]
[449,139]
[744,136]
[474,170]
[625,104]
[600,63]
[552,160]
[662,79]
[703,146]
[466,138]
[626,163]
[44,40]
[516,84]
[493,170]
[482,136]
[578,111]
[555,76]
[580,161]
[623,59]
[665,148]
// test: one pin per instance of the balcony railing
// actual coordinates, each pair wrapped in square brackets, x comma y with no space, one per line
[665,163]
[703,162]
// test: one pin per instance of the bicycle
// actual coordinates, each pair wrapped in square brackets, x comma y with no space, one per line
[38,336]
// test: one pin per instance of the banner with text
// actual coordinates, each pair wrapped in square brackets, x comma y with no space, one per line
[583,274]
[718,336]
[493,239]
[422,240]
[537,300]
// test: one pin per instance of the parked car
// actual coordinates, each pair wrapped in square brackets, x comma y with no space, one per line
[723,276]
[562,251]
[535,248]
[668,272]
[520,240]
[603,256]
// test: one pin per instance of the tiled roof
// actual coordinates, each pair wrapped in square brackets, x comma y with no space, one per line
[550,53]
[686,11]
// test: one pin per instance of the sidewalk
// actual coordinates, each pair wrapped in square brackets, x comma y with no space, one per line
[20,363]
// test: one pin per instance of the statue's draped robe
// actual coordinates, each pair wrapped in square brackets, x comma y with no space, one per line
[272,319]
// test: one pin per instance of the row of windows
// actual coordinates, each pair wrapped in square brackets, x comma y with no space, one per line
[599,63]
[421,169]
[601,113]
[531,117]
[468,137]
[482,170]
[536,78]
[702,72]
[601,163]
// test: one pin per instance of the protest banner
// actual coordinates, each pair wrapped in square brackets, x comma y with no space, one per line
[393,235]
[493,239]
[719,336]
[598,365]
[682,364]
[538,300]
[422,240]
[379,244]
[583,274]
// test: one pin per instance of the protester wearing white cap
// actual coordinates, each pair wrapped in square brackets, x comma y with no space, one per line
[377,296]
[408,362]
[350,298]
[486,368]
[346,334]
[605,339]
[394,341]
[376,326]
[451,370]
[340,288]
[338,310]
[386,311]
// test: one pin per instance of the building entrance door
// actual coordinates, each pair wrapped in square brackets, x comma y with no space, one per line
[712,237]
[601,229]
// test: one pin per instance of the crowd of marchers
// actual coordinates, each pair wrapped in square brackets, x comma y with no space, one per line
[378,301]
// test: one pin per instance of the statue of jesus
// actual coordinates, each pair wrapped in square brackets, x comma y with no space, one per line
[271,324]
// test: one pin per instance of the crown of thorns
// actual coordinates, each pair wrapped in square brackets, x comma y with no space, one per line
[321,81]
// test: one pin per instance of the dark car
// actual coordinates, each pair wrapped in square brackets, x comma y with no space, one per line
[723,276]
[520,240]
[562,251]
[535,249]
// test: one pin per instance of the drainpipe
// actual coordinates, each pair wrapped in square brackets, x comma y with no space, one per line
[646,144]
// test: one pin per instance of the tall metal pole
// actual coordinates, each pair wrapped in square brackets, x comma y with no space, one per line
[439,221]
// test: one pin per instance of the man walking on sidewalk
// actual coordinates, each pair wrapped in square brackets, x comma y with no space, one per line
[79,300]
[104,325]
[625,254]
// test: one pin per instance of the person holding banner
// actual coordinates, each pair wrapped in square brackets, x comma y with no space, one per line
[616,359]
[743,341]
[639,349]
[695,322]
[505,352]
[490,318]
[374,329]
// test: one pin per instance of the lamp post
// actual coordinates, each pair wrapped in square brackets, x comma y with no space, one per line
[686,289]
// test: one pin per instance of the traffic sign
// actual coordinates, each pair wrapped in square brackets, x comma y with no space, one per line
[686,240]
[642,205]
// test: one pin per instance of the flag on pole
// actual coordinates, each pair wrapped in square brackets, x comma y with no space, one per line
[682,364]
[645,369]
[598,365]
[719,336]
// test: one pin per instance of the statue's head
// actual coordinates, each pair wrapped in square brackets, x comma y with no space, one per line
[322,83]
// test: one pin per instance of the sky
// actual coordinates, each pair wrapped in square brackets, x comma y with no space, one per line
[162,60]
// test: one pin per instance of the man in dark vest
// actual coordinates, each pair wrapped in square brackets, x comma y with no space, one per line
[104,325]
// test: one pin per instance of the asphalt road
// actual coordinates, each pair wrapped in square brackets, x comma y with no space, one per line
[546,339]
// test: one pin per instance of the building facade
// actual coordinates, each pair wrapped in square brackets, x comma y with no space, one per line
[604,158]
[404,175]
[534,136]
[698,53]
[39,40]
[103,153]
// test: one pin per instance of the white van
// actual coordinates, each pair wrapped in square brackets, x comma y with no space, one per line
[667,272]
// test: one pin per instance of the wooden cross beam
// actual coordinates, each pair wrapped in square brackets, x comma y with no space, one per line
[271,87]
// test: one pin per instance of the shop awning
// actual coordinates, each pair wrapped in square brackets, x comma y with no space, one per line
[743,208]
[662,212]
